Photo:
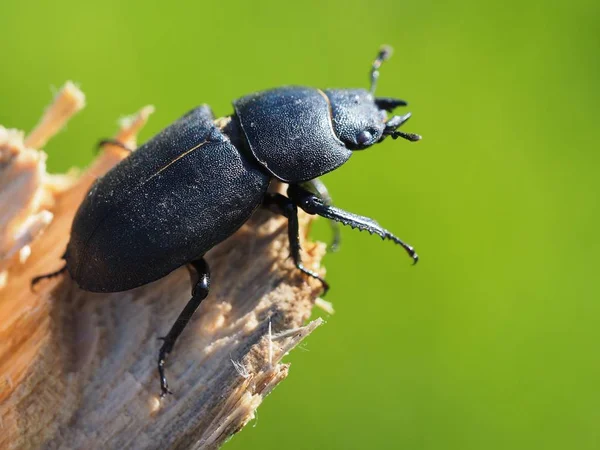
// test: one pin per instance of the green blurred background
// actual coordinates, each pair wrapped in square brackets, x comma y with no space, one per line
[491,342]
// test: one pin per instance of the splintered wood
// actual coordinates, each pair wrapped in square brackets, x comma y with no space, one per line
[78,370]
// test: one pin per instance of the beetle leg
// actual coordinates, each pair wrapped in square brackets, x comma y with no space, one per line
[114,142]
[316,186]
[280,204]
[39,278]
[314,205]
[200,276]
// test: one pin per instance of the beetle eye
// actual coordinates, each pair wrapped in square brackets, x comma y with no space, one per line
[364,137]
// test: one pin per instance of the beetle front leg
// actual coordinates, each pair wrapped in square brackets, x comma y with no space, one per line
[314,205]
[280,204]
[200,275]
[317,187]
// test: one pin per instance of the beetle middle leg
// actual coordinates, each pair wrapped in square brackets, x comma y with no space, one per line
[200,276]
[282,205]
[312,204]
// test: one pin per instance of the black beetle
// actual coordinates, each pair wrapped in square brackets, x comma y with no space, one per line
[197,182]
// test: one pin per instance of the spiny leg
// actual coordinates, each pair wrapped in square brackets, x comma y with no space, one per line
[314,205]
[37,279]
[318,188]
[200,276]
[280,204]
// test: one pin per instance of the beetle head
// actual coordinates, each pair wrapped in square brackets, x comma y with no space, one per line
[360,119]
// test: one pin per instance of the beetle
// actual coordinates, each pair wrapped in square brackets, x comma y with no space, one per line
[200,179]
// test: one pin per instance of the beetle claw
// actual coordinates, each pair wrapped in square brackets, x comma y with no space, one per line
[165,391]
[415,258]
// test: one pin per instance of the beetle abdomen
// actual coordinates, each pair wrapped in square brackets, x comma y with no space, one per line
[134,228]
[290,133]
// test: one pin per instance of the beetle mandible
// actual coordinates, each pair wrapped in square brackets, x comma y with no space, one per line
[200,179]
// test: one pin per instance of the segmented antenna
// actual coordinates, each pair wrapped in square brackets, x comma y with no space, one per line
[384,53]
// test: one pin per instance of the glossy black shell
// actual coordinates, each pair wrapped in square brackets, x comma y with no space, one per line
[290,132]
[167,204]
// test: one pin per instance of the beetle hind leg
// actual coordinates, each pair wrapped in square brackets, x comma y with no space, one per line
[200,276]
[280,204]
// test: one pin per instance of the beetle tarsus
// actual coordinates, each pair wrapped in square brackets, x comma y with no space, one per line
[312,274]
[280,204]
[37,279]
[200,275]
[314,205]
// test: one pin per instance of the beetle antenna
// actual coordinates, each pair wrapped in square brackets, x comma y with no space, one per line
[384,53]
